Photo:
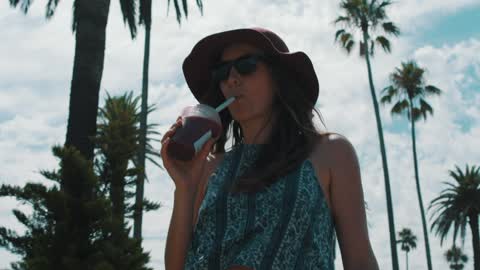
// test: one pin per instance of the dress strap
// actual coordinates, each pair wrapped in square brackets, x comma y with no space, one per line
[221,211]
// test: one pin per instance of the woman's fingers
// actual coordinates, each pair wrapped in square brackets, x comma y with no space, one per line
[172,129]
[206,149]
[163,150]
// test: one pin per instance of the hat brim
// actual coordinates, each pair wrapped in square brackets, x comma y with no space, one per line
[197,65]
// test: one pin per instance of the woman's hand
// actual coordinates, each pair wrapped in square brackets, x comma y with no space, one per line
[185,174]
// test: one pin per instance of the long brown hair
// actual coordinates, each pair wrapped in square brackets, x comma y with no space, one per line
[295,133]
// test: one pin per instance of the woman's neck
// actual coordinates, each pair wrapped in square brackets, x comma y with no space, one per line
[257,131]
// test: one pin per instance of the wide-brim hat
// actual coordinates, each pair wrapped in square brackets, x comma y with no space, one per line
[205,54]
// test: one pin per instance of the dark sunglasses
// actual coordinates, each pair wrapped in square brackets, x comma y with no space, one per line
[244,65]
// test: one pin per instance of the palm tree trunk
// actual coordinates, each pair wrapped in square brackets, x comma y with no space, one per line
[473,221]
[384,159]
[87,73]
[90,34]
[419,192]
[407,259]
[138,214]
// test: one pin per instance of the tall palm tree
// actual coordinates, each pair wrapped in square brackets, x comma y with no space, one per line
[365,17]
[458,205]
[455,258]
[146,20]
[89,25]
[410,91]
[408,241]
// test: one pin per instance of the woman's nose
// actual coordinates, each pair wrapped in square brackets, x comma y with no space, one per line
[233,78]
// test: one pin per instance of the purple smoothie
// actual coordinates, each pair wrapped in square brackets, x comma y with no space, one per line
[196,122]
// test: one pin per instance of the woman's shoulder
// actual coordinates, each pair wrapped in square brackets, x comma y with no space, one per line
[330,143]
[331,150]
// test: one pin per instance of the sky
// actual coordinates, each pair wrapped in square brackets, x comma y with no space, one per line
[36,59]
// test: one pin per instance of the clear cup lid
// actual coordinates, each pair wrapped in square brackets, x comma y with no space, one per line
[202,110]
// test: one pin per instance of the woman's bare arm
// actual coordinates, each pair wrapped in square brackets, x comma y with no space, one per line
[180,230]
[348,207]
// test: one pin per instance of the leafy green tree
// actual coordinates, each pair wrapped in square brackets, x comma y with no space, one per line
[408,242]
[455,258]
[458,205]
[409,94]
[70,228]
[366,17]
[89,25]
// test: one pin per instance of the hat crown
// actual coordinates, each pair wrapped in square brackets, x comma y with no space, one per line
[276,41]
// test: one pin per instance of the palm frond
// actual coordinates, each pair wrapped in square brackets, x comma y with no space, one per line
[391,29]
[355,11]
[349,46]
[129,13]
[185,8]
[425,108]
[345,39]
[338,33]
[384,42]
[432,90]
[50,8]
[376,15]
[154,162]
[401,107]
[177,10]
[387,94]
[200,6]
[384,4]
[453,206]
[342,19]
[24,5]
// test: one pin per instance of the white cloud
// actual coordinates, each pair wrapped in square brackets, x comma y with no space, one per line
[35,82]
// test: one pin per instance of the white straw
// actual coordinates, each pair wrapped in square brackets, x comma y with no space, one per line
[225,104]
[200,141]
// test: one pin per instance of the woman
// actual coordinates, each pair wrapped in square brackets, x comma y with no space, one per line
[277,198]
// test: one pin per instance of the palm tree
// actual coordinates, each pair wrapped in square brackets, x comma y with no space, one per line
[457,205]
[146,20]
[409,91]
[89,25]
[455,258]
[408,241]
[366,17]
[118,142]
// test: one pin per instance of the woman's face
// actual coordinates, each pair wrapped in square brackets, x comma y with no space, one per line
[254,91]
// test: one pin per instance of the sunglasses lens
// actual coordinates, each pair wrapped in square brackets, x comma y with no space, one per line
[246,66]
[221,73]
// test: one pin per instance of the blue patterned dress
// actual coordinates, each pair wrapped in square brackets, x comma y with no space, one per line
[286,226]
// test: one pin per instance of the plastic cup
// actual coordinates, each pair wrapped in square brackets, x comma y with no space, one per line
[199,123]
